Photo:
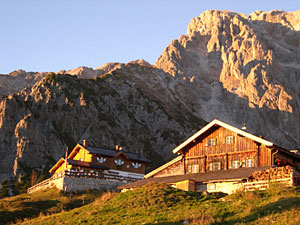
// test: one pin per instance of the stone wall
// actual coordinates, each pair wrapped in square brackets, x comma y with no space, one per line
[81,184]
[68,184]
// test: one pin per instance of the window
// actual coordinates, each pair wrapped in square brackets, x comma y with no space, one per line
[119,162]
[211,141]
[101,159]
[229,140]
[249,163]
[214,166]
[235,164]
[136,165]
[211,186]
[195,169]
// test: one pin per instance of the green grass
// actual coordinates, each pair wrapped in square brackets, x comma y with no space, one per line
[160,204]
[17,208]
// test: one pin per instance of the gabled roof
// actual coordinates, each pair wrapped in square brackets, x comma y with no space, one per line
[112,152]
[216,122]
[108,152]
[57,165]
[211,176]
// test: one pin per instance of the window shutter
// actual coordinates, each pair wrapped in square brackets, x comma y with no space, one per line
[189,169]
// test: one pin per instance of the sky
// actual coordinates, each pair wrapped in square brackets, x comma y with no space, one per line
[51,35]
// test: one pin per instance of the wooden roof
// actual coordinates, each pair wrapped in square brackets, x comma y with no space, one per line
[216,122]
[100,151]
[57,165]
[213,176]
[113,152]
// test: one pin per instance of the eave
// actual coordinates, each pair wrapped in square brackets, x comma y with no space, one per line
[286,151]
[75,150]
[216,122]
[57,165]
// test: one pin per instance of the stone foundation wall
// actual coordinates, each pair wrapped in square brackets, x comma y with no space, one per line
[81,184]
[68,184]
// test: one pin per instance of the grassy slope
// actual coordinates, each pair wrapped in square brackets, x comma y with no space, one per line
[17,208]
[159,204]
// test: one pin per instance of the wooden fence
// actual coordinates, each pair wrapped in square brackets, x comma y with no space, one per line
[80,174]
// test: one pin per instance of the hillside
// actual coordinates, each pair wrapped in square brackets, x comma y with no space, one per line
[51,201]
[160,204]
[58,111]
[230,66]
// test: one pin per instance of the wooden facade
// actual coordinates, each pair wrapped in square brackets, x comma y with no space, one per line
[96,159]
[219,146]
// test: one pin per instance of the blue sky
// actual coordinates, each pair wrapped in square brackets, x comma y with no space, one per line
[51,35]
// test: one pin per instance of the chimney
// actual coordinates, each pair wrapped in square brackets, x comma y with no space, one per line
[244,126]
[84,143]
[118,148]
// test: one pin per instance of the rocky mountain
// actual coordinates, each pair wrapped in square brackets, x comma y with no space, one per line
[39,122]
[18,80]
[230,66]
[241,69]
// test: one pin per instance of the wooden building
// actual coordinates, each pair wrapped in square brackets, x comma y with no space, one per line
[99,160]
[221,147]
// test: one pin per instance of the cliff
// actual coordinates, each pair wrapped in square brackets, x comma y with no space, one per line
[38,123]
[241,69]
[230,66]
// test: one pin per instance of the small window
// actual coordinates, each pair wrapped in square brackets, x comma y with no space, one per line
[214,166]
[235,164]
[136,165]
[211,141]
[229,140]
[211,186]
[101,159]
[195,169]
[119,162]
[249,163]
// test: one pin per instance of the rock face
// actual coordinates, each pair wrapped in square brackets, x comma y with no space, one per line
[240,69]
[60,110]
[234,67]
